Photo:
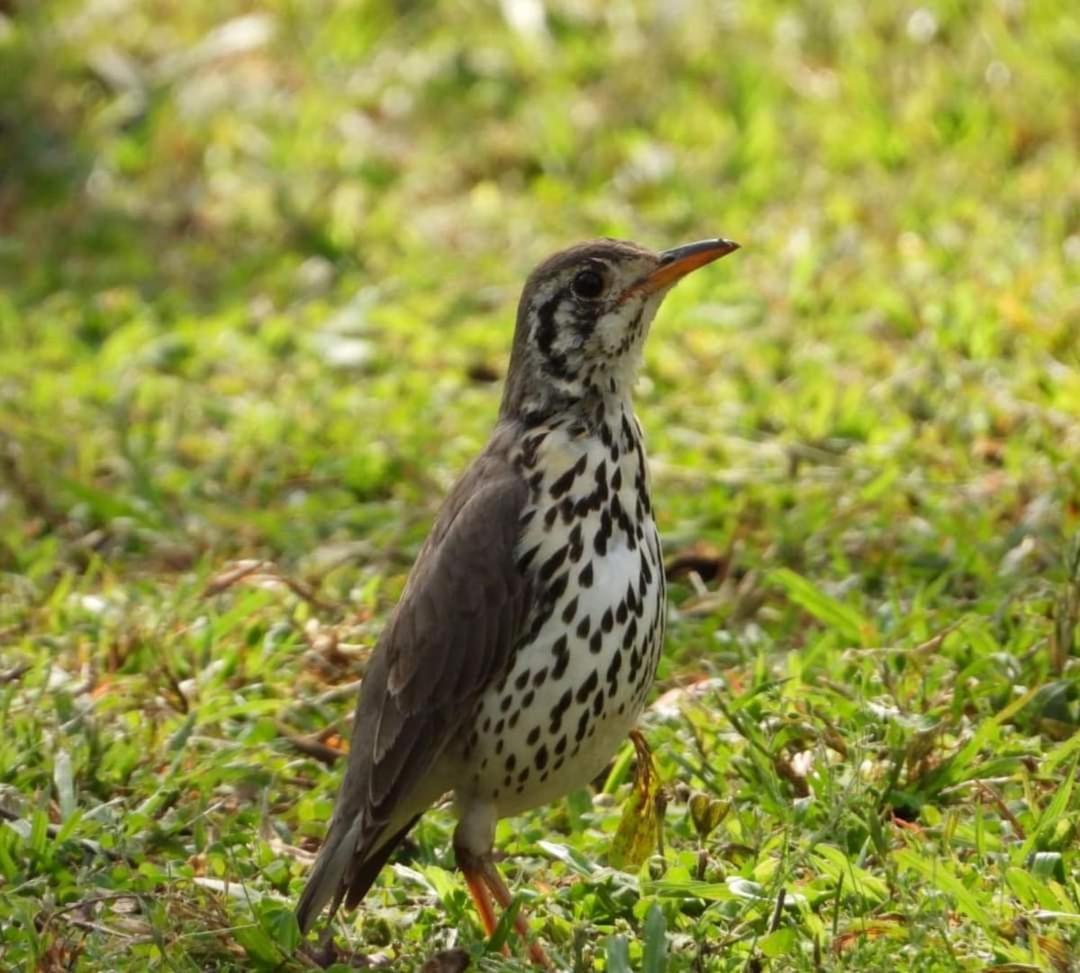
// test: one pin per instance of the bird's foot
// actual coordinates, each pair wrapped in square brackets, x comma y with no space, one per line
[485,884]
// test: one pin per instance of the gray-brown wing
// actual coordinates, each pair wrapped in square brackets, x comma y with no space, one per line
[450,637]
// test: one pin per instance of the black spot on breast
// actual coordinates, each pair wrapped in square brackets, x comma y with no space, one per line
[630,635]
[549,516]
[540,678]
[587,687]
[526,559]
[596,642]
[558,587]
[505,704]
[541,758]
[582,726]
[583,627]
[530,446]
[585,579]
[564,482]
[562,705]
[522,680]
[616,478]
[620,613]
[561,662]
[598,702]
[607,623]
[526,700]
[534,735]
[560,747]
[577,545]
[511,762]
[552,564]
[600,540]
[570,610]
[600,494]
[524,775]
[513,719]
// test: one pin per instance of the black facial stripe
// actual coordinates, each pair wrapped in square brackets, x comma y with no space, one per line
[585,320]
[547,329]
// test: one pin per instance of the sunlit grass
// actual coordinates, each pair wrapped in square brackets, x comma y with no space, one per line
[258,268]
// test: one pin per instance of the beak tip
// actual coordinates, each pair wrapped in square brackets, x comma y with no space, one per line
[677,263]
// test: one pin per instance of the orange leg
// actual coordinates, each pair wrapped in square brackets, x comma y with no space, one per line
[484,883]
[493,880]
[478,890]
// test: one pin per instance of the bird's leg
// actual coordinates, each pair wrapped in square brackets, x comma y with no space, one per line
[484,882]
[478,891]
[494,882]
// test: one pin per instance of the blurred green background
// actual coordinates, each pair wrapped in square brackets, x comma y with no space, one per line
[258,271]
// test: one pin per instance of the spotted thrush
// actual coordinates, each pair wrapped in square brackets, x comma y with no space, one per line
[529,630]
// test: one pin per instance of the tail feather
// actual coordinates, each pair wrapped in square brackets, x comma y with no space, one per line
[327,879]
[340,875]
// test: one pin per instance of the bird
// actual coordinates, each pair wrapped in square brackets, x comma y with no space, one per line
[528,633]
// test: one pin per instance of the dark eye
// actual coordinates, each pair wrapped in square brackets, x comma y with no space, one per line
[588,284]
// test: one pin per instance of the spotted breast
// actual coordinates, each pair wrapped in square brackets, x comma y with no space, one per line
[587,656]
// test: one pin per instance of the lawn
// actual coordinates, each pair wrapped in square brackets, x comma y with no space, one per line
[258,270]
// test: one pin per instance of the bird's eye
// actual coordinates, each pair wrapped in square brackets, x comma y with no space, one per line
[588,284]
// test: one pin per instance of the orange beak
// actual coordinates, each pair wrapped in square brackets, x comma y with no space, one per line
[678,262]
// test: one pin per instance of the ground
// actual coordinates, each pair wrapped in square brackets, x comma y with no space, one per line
[258,269]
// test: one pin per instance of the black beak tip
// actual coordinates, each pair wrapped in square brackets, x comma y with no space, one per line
[717,246]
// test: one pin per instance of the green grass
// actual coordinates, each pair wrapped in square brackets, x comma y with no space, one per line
[257,281]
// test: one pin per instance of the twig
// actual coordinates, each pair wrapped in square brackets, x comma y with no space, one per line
[337,692]
[15,672]
[312,746]
[97,927]
[54,829]
[778,912]
[58,913]
[255,569]
[1003,808]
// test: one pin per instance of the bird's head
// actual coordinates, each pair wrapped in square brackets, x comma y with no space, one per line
[583,318]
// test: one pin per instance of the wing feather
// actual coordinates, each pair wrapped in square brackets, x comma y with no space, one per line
[451,636]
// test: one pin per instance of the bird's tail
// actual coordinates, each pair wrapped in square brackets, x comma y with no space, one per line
[327,881]
[346,869]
